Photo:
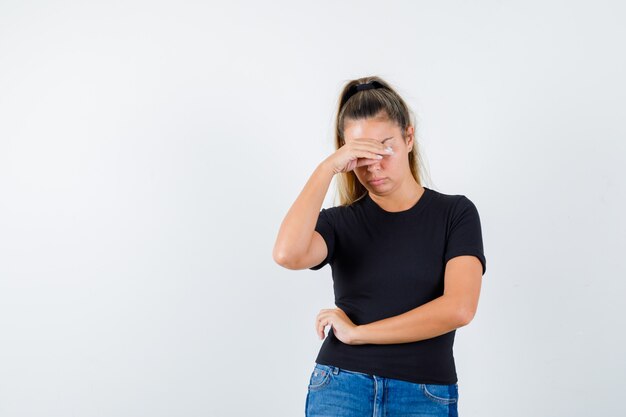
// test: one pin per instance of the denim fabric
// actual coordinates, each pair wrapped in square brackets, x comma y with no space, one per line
[337,392]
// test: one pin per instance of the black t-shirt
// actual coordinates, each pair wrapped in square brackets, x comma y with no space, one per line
[386,263]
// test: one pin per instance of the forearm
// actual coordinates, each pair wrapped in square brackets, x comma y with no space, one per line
[297,227]
[437,317]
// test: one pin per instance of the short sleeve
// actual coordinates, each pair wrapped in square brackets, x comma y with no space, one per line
[325,227]
[465,234]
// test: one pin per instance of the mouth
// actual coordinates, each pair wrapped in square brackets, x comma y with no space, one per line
[376,181]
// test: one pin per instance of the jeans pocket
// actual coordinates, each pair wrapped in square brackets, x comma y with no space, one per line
[441,393]
[320,377]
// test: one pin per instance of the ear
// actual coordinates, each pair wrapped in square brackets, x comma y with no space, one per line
[409,137]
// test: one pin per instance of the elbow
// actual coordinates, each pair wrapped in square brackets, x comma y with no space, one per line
[279,256]
[465,316]
[283,258]
[461,310]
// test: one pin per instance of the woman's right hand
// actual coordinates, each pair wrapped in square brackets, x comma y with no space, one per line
[356,153]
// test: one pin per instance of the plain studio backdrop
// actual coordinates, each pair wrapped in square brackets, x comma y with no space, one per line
[150,150]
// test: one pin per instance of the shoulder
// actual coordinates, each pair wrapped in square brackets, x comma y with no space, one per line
[344,208]
[331,211]
[455,207]
[341,213]
[452,202]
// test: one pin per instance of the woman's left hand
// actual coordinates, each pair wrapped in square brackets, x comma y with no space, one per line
[343,328]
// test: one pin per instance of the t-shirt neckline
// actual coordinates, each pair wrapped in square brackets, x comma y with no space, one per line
[412,210]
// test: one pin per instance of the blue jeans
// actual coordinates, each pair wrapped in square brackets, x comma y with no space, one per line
[338,392]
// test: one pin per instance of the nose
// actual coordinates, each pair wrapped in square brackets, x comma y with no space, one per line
[373,167]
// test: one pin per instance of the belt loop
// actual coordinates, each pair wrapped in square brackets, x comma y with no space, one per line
[335,370]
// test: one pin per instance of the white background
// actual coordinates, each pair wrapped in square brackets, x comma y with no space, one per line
[149,151]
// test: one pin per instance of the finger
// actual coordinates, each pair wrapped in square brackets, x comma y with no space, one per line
[378,152]
[374,146]
[366,161]
[318,322]
[320,328]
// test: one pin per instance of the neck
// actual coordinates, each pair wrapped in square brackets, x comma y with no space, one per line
[403,198]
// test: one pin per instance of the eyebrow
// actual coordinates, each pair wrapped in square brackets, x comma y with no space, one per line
[386,139]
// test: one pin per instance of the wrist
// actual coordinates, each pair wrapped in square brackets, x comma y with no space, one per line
[358,335]
[326,167]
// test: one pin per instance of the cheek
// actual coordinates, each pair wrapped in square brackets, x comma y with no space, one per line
[360,172]
[393,164]
[390,161]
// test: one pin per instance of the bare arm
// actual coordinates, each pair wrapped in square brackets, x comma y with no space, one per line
[298,245]
[455,308]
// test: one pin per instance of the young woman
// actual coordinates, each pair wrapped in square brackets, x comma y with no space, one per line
[407,263]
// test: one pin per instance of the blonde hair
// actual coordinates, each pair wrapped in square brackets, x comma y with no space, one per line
[364,104]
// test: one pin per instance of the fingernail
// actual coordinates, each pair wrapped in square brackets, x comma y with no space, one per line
[379,156]
[388,149]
